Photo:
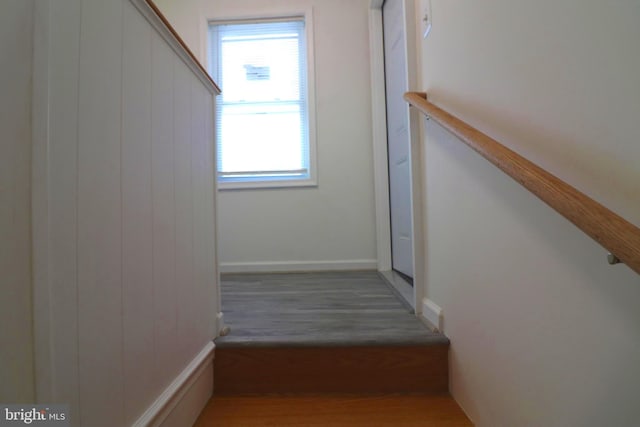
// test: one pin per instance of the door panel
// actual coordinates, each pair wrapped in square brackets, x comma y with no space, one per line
[398,138]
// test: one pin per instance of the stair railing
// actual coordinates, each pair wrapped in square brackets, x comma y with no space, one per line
[185,47]
[617,235]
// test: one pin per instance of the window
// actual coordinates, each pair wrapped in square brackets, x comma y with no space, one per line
[264,124]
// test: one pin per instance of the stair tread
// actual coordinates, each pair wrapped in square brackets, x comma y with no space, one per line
[332,410]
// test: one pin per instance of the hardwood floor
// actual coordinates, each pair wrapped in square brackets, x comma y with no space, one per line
[333,411]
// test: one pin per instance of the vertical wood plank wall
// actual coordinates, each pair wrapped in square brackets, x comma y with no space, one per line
[130,186]
[16,339]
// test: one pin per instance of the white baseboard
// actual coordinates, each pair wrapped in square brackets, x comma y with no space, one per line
[432,314]
[293,266]
[181,402]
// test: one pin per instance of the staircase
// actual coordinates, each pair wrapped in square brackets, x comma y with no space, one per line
[327,337]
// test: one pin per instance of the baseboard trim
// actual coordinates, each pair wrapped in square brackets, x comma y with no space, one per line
[170,403]
[293,266]
[432,313]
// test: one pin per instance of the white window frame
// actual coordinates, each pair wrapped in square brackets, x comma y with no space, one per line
[312,179]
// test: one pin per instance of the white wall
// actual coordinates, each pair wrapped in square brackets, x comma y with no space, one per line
[332,225]
[543,331]
[124,223]
[16,350]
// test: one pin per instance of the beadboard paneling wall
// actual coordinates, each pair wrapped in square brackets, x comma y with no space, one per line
[16,348]
[127,231]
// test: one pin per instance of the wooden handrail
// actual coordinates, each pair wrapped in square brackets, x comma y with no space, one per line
[182,43]
[613,232]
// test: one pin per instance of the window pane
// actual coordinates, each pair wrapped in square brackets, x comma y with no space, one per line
[261,138]
[260,70]
[262,114]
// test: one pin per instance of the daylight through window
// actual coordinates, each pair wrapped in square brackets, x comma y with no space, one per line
[262,115]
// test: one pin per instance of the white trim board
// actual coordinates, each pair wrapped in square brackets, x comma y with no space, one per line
[432,313]
[379,138]
[380,146]
[187,394]
[417,176]
[296,266]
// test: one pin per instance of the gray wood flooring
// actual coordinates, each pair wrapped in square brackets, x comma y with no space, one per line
[305,309]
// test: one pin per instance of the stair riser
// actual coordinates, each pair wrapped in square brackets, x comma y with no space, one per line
[405,369]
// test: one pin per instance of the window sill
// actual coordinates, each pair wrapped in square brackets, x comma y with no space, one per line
[265,185]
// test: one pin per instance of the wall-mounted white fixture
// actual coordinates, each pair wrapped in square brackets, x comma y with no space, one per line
[426,18]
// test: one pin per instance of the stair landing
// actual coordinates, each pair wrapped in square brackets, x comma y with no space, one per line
[309,333]
[317,309]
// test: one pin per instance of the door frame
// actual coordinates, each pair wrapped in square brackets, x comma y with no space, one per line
[380,157]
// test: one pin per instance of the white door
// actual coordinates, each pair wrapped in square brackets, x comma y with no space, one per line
[398,136]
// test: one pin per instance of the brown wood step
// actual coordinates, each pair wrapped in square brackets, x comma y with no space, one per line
[391,410]
[338,369]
